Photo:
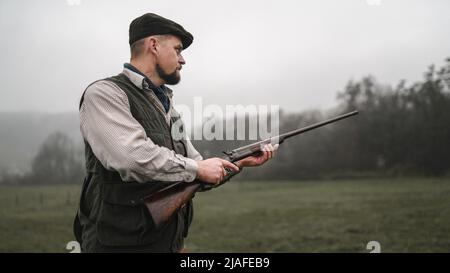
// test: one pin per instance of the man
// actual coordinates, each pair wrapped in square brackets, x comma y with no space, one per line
[126,123]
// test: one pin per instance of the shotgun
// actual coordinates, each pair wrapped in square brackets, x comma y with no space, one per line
[165,202]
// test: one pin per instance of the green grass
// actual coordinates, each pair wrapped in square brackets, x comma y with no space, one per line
[37,219]
[404,215]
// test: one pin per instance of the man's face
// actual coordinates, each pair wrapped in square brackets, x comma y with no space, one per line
[170,60]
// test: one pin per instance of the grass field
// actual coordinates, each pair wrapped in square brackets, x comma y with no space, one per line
[403,215]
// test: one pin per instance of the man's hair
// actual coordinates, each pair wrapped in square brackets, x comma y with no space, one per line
[137,48]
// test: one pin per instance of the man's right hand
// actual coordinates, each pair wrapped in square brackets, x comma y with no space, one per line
[212,170]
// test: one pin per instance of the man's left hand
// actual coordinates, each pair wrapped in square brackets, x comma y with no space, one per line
[268,152]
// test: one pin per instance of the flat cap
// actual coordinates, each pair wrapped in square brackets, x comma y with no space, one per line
[152,24]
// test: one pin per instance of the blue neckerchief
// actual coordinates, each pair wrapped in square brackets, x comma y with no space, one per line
[160,91]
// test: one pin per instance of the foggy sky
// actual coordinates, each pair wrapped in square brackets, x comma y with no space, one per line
[296,54]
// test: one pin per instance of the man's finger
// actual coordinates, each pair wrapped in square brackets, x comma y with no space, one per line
[275,147]
[220,178]
[270,147]
[267,151]
[230,165]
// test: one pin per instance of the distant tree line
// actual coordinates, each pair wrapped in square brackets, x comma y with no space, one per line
[58,161]
[400,131]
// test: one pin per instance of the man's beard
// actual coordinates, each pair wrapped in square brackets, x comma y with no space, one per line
[172,78]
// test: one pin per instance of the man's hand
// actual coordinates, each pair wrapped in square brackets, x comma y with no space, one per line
[212,170]
[268,152]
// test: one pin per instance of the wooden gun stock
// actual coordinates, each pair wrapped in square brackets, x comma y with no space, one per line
[165,203]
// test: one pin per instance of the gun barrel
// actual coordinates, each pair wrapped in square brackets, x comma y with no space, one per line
[247,150]
[316,125]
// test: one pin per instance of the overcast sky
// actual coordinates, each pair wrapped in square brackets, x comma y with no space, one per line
[295,54]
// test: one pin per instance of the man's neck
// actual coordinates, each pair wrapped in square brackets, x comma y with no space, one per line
[148,71]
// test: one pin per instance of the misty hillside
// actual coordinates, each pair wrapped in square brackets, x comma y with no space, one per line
[22,133]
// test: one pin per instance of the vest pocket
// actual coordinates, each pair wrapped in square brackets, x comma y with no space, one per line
[123,221]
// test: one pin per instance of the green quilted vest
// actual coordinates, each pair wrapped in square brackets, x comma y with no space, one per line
[111,216]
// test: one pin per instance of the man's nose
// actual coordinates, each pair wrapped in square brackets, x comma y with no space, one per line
[181,60]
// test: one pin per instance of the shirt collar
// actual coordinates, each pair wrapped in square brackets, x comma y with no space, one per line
[141,80]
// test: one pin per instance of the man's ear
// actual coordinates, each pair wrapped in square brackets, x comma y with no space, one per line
[152,45]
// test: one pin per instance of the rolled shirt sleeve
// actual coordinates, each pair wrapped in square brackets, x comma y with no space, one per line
[121,144]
